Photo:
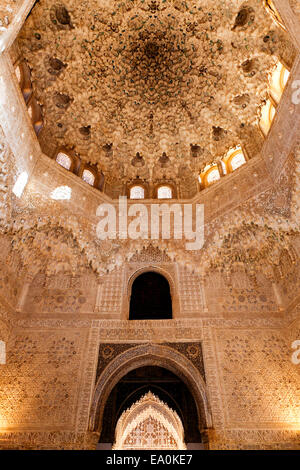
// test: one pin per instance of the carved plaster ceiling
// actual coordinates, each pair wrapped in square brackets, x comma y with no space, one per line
[254,234]
[116,78]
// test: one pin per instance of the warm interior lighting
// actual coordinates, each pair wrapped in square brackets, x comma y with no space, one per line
[61,192]
[20,184]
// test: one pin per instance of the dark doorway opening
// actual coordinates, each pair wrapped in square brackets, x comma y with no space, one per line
[167,386]
[150,298]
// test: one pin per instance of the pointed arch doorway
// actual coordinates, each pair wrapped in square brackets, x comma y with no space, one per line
[168,374]
[149,424]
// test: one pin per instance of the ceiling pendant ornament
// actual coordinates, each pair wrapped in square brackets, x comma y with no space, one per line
[138,160]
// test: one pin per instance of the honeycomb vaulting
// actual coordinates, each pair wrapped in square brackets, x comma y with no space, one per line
[148,77]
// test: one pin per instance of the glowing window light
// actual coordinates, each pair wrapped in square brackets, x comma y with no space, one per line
[20,184]
[88,177]
[137,192]
[238,160]
[235,158]
[164,192]
[18,73]
[213,176]
[30,111]
[278,81]
[61,193]
[267,116]
[63,160]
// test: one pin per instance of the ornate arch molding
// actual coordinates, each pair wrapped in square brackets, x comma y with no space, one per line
[150,355]
[163,272]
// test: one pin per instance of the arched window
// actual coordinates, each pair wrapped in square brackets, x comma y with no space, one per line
[234,159]
[150,298]
[211,175]
[267,116]
[64,160]
[278,81]
[164,192]
[88,176]
[137,192]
